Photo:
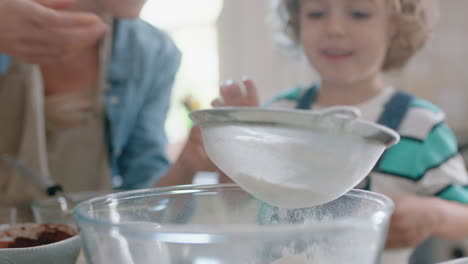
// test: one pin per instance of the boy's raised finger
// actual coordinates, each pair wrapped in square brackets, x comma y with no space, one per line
[250,89]
[231,91]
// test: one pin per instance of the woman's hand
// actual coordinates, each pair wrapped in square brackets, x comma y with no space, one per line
[415,219]
[192,159]
[233,94]
[193,156]
[40,31]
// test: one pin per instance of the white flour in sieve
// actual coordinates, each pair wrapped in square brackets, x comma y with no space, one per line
[292,168]
[280,195]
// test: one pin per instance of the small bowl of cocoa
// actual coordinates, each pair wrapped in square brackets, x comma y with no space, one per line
[39,243]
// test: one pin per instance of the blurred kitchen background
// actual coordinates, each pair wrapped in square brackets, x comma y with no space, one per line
[226,39]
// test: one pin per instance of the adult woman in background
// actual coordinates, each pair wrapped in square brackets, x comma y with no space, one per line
[91,114]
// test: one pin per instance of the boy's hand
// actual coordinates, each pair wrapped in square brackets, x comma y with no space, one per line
[233,94]
[414,220]
[38,31]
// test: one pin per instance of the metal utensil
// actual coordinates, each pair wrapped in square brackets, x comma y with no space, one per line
[44,182]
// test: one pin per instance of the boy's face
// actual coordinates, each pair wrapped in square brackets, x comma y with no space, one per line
[123,8]
[345,40]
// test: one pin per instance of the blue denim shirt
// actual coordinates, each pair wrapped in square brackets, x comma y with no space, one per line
[142,69]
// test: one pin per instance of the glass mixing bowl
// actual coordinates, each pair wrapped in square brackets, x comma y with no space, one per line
[222,224]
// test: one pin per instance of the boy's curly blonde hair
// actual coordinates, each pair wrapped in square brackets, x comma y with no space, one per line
[414,20]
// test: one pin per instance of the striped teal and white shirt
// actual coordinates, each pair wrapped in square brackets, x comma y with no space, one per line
[425,161]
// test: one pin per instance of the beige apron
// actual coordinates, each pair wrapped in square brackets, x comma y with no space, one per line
[62,136]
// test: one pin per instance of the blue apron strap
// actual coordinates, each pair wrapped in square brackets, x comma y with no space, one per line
[307,99]
[394,113]
[395,110]
[392,117]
